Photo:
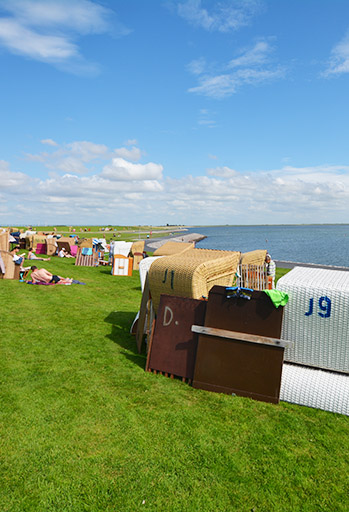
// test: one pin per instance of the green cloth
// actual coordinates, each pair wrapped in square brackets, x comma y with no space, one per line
[278,298]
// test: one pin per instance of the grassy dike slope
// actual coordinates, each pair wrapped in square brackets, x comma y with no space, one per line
[84,428]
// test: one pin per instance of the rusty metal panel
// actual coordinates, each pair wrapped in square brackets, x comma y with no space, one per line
[234,365]
[173,347]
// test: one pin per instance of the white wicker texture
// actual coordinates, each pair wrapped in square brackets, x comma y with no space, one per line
[144,267]
[315,388]
[316,317]
[120,248]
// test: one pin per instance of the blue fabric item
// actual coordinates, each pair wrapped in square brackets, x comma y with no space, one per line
[87,251]
[74,281]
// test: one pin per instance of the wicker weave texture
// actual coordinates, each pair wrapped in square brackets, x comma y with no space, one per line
[192,273]
[120,247]
[34,240]
[137,253]
[315,388]
[4,241]
[11,270]
[316,317]
[254,257]
[144,267]
[137,247]
[51,244]
[85,243]
[170,248]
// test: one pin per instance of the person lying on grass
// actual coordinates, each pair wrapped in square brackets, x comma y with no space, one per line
[41,275]
[32,256]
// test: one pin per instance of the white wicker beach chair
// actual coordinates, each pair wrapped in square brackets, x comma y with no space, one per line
[320,389]
[316,317]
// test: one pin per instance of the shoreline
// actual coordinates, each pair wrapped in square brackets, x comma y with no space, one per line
[292,264]
[154,243]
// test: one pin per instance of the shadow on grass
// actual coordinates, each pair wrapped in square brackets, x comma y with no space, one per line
[121,322]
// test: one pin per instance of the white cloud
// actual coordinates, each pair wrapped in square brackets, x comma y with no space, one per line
[87,151]
[49,142]
[252,67]
[223,172]
[197,66]
[223,16]
[83,16]
[135,193]
[12,181]
[21,40]
[131,142]
[251,57]
[73,157]
[218,86]
[339,61]
[121,170]
[81,157]
[47,30]
[133,154]
[205,119]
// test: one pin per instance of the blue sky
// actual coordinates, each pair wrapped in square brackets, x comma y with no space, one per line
[180,112]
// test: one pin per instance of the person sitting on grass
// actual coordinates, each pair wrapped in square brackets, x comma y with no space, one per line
[63,253]
[15,254]
[41,275]
[33,256]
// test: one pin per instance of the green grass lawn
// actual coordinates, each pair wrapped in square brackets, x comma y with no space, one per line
[84,428]
[126,233]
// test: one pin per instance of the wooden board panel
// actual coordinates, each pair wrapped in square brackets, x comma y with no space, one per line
[255,316]
[237,365]
[173,349]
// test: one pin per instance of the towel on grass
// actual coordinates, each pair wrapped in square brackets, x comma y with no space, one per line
[74,281]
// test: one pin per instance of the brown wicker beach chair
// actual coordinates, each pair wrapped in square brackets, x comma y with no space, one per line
[11,270]
[169,248]
[137,253]
[192,273]
[253,257]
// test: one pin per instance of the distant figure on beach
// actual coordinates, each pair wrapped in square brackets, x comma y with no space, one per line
[271,269]
[41,275]
[32,256]
[63,253]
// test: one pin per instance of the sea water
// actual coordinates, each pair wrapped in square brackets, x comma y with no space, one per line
[326,244]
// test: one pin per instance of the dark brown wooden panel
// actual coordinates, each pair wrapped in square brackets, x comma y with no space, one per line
[255,316]
[173,348]
[239,367]
[234,365]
